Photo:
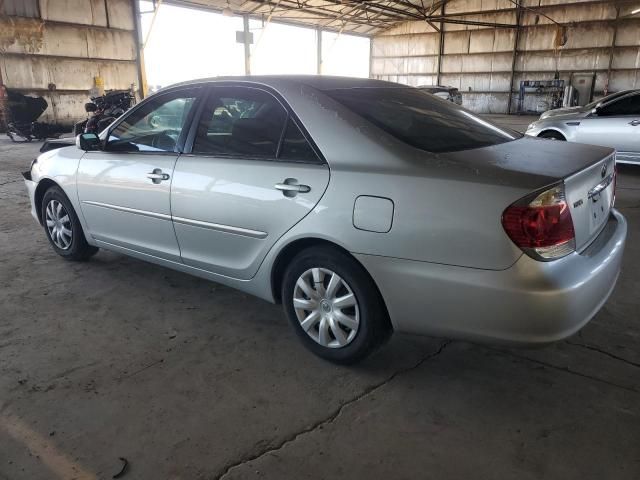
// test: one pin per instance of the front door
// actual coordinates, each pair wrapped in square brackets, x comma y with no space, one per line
[251,176]
[124,189]
[616,124]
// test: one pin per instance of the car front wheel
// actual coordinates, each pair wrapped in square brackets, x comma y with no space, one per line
[334,305]
[62,227]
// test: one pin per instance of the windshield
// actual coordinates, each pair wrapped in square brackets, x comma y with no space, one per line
[613,96]
[422,120]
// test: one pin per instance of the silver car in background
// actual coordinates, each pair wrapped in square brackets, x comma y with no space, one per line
[613,121]
[364,207]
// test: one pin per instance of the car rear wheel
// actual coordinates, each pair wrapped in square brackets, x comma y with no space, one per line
[63,228]
[334,306]
[552,135]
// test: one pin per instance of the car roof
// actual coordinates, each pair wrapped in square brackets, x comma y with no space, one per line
[320,82]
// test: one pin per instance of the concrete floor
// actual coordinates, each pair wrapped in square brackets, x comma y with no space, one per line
[188,380]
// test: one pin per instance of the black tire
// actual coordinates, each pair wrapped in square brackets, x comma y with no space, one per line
[374,327]
[552,135]
[78,249]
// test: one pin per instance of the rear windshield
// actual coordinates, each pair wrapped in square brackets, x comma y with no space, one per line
[422,120]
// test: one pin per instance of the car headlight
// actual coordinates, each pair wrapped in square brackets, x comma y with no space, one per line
[531,126]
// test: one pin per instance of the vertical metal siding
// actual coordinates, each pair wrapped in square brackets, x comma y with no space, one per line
[67,43]
[479,60]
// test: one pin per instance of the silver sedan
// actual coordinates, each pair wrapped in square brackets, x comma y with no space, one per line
[364,207]
[613,121]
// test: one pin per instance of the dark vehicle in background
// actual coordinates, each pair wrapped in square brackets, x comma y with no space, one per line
[104,110]
[451,94]
[23,112]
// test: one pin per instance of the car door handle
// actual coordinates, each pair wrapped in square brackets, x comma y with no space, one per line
[634,123]
[293,188]
[157,176]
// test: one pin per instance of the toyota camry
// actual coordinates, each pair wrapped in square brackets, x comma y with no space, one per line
[364,207]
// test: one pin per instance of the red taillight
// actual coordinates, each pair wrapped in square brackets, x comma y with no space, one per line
[541,226]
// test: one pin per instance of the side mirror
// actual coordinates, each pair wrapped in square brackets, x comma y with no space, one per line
[88,142]
[595,111]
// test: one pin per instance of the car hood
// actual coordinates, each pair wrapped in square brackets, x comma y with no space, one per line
[561,111]
[528,163]
[564,113]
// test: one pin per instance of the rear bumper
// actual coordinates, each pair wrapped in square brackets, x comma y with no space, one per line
[529,303]
[31,190]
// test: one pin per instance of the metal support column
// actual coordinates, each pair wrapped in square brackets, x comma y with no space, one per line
[247,45]
[3,104]
[514,58]
[440,46]
[319,50]
[142,74]
[612,51]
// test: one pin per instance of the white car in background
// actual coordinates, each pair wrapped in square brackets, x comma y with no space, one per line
[612,122]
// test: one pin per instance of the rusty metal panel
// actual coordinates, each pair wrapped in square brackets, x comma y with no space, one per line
[485,102]
[621,80]
[628,57]
[408,28]
[628,32]
[24,33]
[491,62]
[405,45]
[112,44]
[35,72]
[576,60]
[83,12]
[569,14]
[21,8]
[70,41]
[120,14]
[456,42]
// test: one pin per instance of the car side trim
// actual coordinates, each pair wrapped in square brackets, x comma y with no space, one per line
[245,232]
[135,211]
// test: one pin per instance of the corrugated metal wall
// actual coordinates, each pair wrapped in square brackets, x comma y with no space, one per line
[485,62]
[66,43]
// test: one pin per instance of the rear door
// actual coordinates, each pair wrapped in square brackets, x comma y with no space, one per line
[124,190]
[251,175]
[616,124]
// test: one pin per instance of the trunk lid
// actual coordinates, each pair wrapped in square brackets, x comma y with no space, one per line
[527,163]
[589,194]
[532,164]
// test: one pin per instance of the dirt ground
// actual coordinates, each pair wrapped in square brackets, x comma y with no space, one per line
[187,379]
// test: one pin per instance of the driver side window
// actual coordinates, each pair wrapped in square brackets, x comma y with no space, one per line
[155,126]
[627,105]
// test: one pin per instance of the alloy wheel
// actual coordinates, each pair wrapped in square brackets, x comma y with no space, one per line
[59,224]
[326,308]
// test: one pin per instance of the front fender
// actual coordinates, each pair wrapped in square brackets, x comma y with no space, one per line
[58,167]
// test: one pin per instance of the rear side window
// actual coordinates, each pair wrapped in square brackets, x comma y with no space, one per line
[421,120]
[295,147]
[240,121]
[624,106]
